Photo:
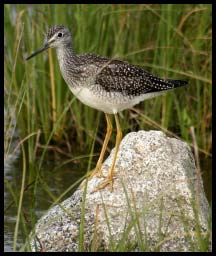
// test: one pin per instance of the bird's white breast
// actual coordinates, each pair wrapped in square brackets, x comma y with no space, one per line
[110,103]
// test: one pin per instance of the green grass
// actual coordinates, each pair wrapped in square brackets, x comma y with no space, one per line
[167,40]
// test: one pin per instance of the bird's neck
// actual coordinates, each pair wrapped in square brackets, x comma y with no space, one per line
[68,62]
[64,54]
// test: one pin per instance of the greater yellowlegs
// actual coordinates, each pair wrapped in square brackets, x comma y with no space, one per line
[109,85]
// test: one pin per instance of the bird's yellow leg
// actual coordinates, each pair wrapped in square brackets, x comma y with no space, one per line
[109,178]
[97,169]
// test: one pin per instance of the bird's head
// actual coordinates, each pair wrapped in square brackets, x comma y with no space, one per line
[57,36]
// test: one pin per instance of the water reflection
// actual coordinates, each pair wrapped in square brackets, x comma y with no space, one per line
[57,180]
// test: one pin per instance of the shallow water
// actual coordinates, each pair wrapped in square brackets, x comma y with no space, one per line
[58,180]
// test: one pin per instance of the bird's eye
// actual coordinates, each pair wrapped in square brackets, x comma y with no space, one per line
[60,34]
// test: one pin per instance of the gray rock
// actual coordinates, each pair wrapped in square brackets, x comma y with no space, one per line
[157,204]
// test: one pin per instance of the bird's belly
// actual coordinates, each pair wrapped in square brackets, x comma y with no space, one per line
[94,100]
[107,102]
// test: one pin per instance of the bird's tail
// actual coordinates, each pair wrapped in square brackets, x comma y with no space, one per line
[177,83]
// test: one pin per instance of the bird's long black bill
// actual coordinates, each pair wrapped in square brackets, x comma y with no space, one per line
[45,47]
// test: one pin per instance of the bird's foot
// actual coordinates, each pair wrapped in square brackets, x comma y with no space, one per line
[97,171]
[109,180]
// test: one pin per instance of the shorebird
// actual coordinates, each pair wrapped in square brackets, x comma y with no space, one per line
[108,85]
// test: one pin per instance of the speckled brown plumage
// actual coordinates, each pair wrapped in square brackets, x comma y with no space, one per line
[99,81]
